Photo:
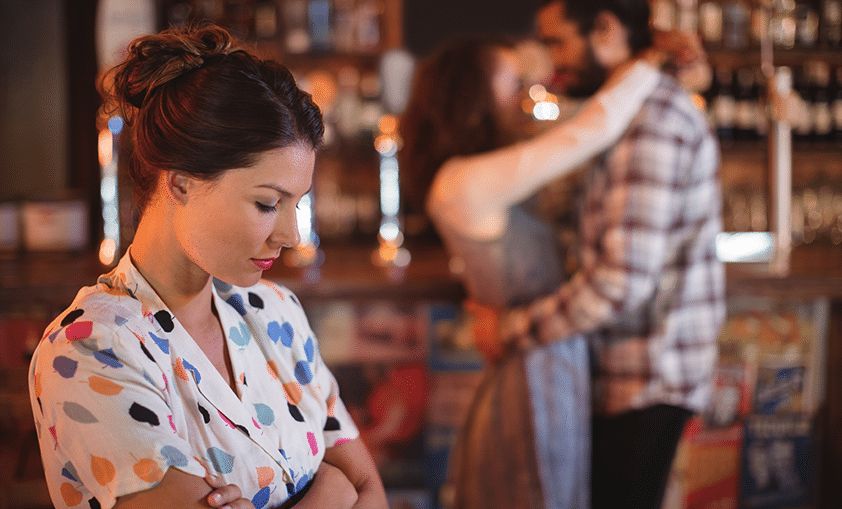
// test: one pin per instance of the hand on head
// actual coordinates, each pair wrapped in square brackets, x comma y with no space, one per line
[681,49]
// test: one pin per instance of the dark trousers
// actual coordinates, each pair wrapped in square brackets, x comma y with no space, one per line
[632,456]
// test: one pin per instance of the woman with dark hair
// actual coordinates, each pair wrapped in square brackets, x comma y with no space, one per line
[182,370]
[526,438]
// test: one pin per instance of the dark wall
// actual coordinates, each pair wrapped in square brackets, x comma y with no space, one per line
[429,22]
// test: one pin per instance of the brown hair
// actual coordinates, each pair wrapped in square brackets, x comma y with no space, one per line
[199,104]
[451,112]
[633,14]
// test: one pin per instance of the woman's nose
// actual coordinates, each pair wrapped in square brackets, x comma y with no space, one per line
[285,233]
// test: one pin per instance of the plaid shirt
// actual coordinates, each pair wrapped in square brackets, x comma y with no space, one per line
[650,291]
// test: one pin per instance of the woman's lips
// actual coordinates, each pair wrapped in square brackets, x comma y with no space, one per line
[264,264]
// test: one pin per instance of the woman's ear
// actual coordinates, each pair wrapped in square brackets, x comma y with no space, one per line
[610,40]
[178,186]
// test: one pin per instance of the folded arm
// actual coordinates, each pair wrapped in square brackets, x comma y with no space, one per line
[347,479]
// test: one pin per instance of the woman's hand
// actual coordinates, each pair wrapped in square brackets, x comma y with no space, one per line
[485,330]
[226,496]
[681,49]
[178,490]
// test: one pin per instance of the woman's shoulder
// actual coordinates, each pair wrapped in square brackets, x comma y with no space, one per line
[98,324]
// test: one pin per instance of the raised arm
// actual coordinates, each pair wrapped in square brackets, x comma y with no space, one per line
[473,194]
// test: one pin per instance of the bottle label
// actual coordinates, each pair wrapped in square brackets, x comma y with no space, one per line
[822,120]
[804,124]
[710,21]
[836,113]
[745,115]
[723,111]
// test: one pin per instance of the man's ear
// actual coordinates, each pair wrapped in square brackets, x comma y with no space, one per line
[610,40]
[178,185]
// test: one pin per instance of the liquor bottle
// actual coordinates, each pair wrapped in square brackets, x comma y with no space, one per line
[710,23]
[735,24]
[782,25]
[723,105]
[687,16]
[344,38]
[832,23]
[319,24]
[663,14]
[238,17]
[836,105]
[802,128]
[822,119]
[266,19]
[759,23]
[806,24]
[368,26]
[296,36]
[761,105]
[745,109]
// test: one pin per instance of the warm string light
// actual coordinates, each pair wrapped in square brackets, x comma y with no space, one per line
[389,253]
[108,158]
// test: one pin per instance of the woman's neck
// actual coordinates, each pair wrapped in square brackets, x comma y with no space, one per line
[183,286]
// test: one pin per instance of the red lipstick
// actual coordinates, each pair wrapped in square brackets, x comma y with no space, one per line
[264,264]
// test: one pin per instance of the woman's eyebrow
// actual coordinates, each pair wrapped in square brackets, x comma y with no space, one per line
[278,189]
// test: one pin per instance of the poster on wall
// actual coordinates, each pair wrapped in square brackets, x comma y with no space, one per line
[777,462]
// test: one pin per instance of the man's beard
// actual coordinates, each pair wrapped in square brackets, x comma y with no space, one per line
[589,78]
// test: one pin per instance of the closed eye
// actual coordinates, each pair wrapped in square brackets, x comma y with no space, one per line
[265,208]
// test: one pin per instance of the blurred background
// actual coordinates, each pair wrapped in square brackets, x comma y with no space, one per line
[381,295]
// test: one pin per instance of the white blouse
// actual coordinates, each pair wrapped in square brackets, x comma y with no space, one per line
[121,392]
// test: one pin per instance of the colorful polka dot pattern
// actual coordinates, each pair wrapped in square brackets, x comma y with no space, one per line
[120,393]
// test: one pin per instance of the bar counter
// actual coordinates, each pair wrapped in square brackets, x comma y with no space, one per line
[348,272]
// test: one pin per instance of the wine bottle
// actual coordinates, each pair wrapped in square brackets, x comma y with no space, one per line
[836,105]
[723,105]
[821,115]
[802,129]
[735,24]
[782,25]
[710,23]
[832,23]
[745,110]
[806,24]
[319,24]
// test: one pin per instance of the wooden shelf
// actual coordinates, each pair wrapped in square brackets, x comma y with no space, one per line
[781,57]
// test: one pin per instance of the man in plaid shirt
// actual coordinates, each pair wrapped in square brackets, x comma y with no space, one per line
[649,294]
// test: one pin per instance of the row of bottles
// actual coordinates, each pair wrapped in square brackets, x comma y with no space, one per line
[301,26]
[816,213]
[742,24]
[736,103]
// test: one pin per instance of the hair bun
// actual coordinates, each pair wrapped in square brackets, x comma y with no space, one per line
[160,58]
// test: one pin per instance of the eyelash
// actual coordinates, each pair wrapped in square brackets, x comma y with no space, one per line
[265,208]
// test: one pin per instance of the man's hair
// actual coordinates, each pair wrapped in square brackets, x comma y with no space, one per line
[633,14]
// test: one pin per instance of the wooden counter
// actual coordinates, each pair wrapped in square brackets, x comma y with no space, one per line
[52,279]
